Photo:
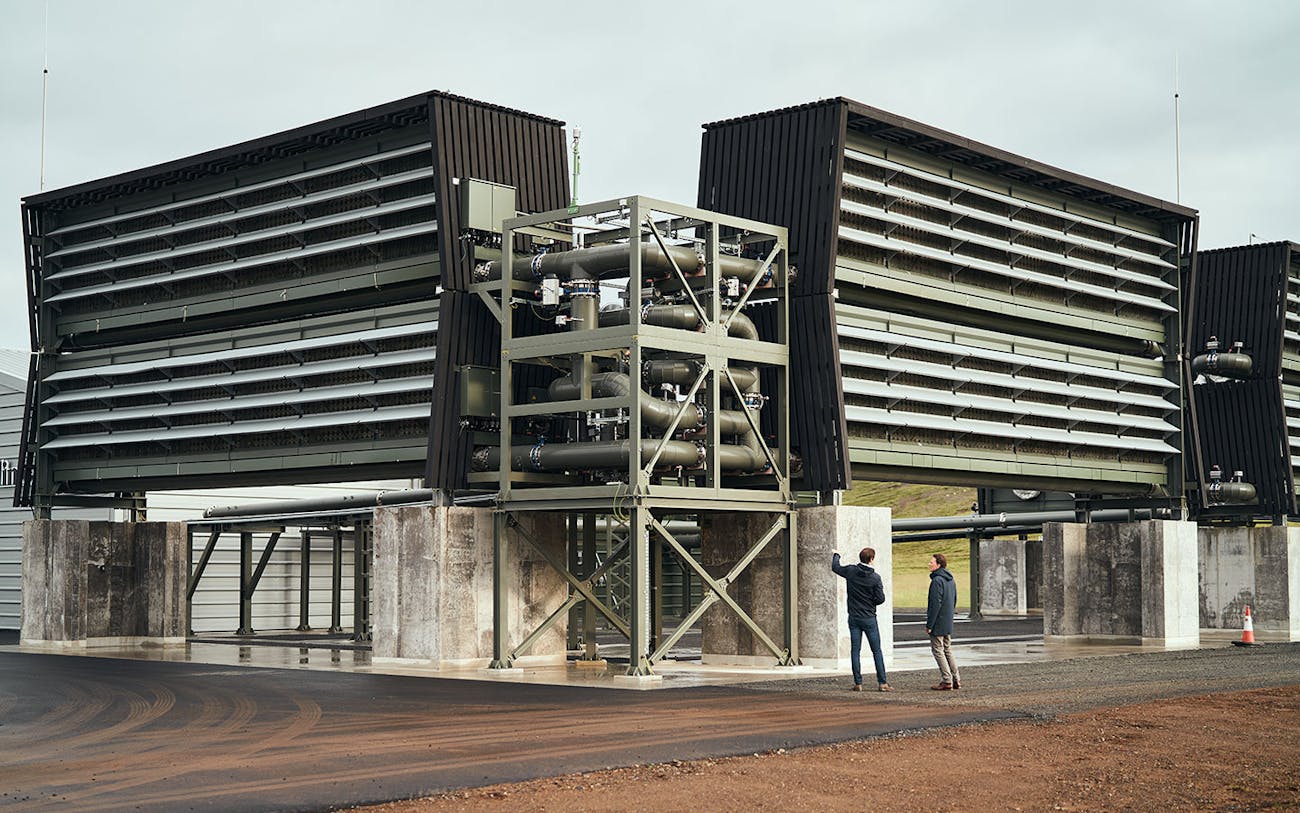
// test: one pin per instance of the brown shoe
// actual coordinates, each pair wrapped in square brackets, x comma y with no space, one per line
[857,687]
[942,687]
[956,684]
[885,687]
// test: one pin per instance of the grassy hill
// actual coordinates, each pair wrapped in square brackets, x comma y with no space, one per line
[911,574]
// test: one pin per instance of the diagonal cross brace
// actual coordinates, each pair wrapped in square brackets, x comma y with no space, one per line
[677,419]
[719,586]
[686,286]
[583,586]
[753,283]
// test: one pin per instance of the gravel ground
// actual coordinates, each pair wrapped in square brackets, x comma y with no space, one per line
[1049,688]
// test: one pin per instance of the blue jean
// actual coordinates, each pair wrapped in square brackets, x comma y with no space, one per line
[869,626]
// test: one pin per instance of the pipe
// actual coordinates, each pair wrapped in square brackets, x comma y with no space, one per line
[684,374]
[613,455]
[615,260]
[1231,493]
[683,317]
[1225,365]
[654,412]
[934,536]
[321,505]
[1002,520]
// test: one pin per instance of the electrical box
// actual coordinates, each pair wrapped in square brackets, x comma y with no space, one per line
[480,391]
[484,205]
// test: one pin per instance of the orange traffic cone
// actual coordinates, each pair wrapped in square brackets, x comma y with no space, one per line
[1247,632]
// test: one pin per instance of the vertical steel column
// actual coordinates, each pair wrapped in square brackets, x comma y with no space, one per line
[791,588]
[656,591]
[245,582]
[361,581]
[638,664]
[589,567]
[336,583]
[573,634]
[500,595]
[975,598]
[189,574]
[304,582]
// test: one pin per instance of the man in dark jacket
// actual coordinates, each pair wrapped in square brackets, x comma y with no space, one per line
[865,592]
[938,622]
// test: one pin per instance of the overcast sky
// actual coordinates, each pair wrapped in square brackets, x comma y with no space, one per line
[1084,86]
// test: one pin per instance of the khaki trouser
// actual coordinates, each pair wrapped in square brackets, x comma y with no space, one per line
[941,648]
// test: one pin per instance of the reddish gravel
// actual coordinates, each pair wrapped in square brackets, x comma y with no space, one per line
[1232,751]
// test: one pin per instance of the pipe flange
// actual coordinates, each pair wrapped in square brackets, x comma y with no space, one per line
[535,455]
[479,459]
[536,265]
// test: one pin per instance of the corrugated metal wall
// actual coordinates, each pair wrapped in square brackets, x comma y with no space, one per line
[477,141]
[1249,294]
[993,324]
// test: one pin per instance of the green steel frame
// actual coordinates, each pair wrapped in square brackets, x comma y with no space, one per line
[643,503]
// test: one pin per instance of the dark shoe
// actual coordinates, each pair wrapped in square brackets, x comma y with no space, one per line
[942,687]
[885,687]
[857,687]
[956,684]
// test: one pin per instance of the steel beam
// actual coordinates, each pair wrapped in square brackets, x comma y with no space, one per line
[336,582]
[304,581]
[245,578]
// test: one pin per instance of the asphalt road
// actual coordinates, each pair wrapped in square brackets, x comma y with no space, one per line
[84,733]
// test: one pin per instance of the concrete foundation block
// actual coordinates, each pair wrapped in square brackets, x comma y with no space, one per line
[820,594]
[1121,582]
[433,585]
[1004,572]
[1250,567]
[104,583]
[823,609]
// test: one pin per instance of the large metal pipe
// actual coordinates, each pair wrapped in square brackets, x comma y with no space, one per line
[654,412]
[683,317]
[1005,519]
[614,455]
[615,259]
[321,505]
[684,374]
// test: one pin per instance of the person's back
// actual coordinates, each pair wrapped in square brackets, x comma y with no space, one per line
[865,591]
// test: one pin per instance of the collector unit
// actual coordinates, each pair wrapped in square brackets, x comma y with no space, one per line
[964,315]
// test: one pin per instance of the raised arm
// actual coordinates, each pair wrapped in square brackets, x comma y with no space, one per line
[840,570]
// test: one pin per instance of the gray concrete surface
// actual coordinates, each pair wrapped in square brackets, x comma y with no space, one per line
[1250,567]
[1133,581]
[433,585]
[89,582]
[1003,577]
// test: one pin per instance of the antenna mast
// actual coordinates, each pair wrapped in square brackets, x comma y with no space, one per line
[45,85]
[1178,148]
[577,165]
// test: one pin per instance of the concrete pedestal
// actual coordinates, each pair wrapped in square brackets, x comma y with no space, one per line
[823,608]
[104,583]
[433,586]
[1121,583]
[823,616]
[1004,577]
[1255,567]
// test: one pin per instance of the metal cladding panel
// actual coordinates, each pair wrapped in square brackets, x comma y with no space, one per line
[475,341]
[783,169]
[1245,294]
[474,140]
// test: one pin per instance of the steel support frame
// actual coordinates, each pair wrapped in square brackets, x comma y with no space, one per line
[646,534]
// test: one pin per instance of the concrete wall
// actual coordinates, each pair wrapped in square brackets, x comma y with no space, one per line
[1121,582]
[1255,567]
[433,585]
[823,608]
[1004,577]
[103,582]
[821,595]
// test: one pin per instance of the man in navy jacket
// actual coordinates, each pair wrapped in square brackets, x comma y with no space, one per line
[866,592]
[939,611]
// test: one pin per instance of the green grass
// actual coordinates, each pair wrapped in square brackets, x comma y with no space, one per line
[911,559]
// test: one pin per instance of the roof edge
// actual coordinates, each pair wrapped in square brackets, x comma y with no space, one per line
[263,142]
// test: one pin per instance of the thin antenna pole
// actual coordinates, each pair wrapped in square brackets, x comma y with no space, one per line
[1178,146]
[45,88]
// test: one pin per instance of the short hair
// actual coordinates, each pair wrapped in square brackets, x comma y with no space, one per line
[941,559]
[866,555]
